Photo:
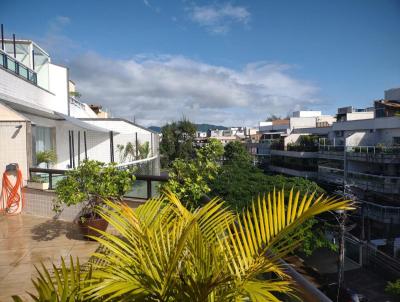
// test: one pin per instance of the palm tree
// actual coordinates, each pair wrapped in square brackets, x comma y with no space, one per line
[164,252]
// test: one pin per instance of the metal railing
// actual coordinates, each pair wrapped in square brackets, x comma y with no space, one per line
[388,214]
[150,188]
[365,181]
[13,65]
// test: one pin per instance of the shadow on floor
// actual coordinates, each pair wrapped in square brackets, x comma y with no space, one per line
[53,228]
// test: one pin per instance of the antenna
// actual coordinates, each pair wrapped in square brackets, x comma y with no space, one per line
[2,37]
[15,50]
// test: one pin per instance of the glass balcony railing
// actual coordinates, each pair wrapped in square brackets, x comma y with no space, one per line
[16,67]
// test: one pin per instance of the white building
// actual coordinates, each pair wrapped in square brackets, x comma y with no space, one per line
[37,113]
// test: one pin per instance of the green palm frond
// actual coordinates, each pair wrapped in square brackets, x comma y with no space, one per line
[164,252]
[63,284]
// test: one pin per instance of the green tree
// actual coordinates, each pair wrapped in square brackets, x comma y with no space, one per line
[144,150]
[238,182]
[190,179]
[177,141]
[235,152]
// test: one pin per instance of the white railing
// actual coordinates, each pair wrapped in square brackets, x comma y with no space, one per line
[136,162]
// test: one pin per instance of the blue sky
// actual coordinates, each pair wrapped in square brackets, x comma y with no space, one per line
[225,62]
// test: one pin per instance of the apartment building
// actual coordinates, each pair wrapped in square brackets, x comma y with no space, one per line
[360,150]
[40,110]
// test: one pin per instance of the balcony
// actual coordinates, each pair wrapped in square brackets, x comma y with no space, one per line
[17,68]
[385,214]
[378,154]
[374,154]
[364,181]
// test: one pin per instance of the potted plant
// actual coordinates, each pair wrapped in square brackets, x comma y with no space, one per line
[91,184]
[38,183]
[47,156]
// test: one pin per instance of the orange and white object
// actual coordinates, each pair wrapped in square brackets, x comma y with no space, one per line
[12,196]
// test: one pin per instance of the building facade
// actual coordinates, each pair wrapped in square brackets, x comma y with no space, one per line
[40,111]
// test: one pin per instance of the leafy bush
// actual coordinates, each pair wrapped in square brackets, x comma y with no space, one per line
[393,287]
[47,156]
[92,182]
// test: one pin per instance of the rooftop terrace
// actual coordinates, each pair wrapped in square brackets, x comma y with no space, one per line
[26,241]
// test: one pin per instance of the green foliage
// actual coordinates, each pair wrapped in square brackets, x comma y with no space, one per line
[64,284]
[163,252]
[91,182]
[75,94]
[144,150]
[47,156]
[238,182]
[120,150]
[177,142]
[235,152]
[393,287]
[129,152]
[37,179]
[189,179]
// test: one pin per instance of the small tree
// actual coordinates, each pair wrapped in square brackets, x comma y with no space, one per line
[190,179]
[48,157]
[144,150]
[130,151]
[91,183]
[177,141]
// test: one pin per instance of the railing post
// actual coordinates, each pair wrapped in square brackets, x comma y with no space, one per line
[50,181]
[149,188]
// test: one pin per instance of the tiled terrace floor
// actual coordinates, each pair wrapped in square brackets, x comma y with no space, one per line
[26,241]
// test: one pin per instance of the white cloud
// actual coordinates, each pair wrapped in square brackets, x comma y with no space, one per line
[218,18]
[158,89]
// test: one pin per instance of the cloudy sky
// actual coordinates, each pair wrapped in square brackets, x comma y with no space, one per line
[221,62]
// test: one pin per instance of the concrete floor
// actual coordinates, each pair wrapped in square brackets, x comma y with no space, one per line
[26,241]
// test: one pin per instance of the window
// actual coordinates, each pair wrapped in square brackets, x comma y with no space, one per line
[396,141]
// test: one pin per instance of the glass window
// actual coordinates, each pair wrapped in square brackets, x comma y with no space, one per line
[31,76]
[11,65]
[43,138]
[23,71]
[2,59]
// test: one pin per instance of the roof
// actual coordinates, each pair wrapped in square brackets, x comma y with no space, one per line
[280,122]
[82,124]
[118,119]
[390,103]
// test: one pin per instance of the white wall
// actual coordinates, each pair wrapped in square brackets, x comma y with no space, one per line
[306,113]
[59,86]
[14,147]
[14,89]
[302,122]
[360,115]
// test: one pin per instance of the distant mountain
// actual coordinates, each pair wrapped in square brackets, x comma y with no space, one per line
[200,127]
[205,127]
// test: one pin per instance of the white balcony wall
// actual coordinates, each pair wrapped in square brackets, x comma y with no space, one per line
[17,90]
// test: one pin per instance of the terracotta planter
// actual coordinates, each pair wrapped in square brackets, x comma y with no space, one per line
[89,223]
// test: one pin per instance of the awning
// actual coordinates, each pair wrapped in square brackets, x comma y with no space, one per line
[82,124]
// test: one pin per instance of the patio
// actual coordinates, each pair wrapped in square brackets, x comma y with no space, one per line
[26,241]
